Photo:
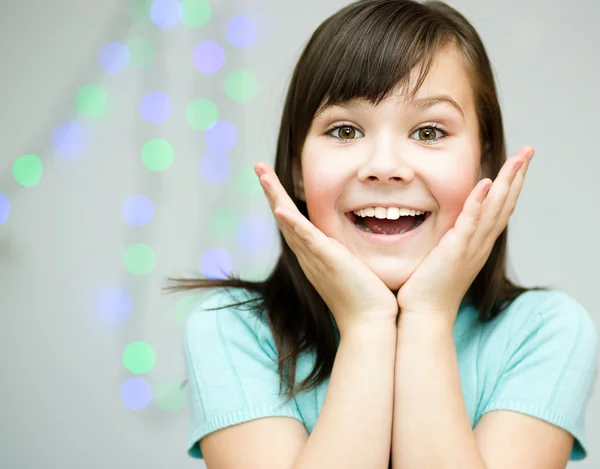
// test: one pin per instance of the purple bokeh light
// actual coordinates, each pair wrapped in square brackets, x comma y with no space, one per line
[114,57]
[165,13]
[221,137]
[255,236]
[156,107]
[214,168]
[114,305]
[68,140]
[216,263]
[4,208]
[241,31]
[136,393]
[138,210]
[208,57]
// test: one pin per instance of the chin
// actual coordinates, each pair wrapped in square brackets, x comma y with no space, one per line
[395,274]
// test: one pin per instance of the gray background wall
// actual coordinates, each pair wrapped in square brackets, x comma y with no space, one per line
[61,366]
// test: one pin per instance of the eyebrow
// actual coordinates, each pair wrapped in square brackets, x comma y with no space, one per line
[419,104]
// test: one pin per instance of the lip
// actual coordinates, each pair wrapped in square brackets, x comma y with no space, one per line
[386,239]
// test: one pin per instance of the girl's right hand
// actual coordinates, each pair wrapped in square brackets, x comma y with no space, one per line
[354,294]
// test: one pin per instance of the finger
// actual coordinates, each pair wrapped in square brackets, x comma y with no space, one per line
[276,193]
[515,192]
[300,234]
[303,229]
[469,219]
[283,217]
[498,194]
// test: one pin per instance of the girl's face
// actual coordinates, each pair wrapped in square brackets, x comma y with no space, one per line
[392,155]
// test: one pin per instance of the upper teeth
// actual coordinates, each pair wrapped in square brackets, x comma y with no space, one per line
[392,213]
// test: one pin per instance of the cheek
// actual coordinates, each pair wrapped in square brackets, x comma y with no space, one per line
[451,193]
[322,189]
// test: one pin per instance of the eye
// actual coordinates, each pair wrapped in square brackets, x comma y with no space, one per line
[347,132]
[428,132]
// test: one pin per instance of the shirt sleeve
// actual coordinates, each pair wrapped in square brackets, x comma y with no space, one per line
[551,365]
[231,366]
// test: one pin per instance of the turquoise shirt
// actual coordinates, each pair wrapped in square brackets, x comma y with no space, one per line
[537,358]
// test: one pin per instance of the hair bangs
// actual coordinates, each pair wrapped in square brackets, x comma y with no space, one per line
[379,52]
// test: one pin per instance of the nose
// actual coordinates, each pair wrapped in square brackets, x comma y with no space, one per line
[386,167]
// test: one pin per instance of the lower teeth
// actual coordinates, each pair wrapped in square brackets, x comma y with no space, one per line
[359,223]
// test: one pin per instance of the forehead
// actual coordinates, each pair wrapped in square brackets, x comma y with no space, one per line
[447,83]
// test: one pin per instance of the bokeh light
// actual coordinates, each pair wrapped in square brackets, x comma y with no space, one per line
[138,210]
[195,13]
[214,168]
[184,307]
[255,236]
[224,222]
[165,13]
[158,155]
[139,10]
[139,357]
[91,101]
[139,259]
[4,208]
[114,305]
[216,263]
[241,31]
[68,140]
[201,114]
[240,86]
[27,170]
[247,182]
[142,52]
[156,107]
[208,57]
[170,396]
[136,393]
[114,57]
[221,137]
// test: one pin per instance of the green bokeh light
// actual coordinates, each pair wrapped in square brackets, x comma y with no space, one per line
[27,170]
[256,274]
[139,10]
[224,222]
[139,259]
[247,182]
[170,396]
[184,307]
[142,51]
[158,154]
[91,101]
[195,13]
[139,357]
[201,114]
[241,86]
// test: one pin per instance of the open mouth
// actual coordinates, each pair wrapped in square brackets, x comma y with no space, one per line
[384,226]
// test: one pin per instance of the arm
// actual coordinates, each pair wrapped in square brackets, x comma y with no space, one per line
[354,428]
[431,428]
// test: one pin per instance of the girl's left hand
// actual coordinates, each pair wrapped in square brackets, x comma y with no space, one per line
[440,282]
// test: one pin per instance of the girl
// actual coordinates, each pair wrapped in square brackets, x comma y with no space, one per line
[389,318]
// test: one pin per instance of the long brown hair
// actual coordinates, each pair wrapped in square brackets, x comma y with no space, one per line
[364,51]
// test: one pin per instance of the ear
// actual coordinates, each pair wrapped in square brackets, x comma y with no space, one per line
[298,181]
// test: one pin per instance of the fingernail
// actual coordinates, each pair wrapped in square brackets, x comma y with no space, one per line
[529,154]
[518,165]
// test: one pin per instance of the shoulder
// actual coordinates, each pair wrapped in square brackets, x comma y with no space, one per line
[217,317]
[542,326]
[551,311]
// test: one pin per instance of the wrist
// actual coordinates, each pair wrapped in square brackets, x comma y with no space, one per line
[371,332]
